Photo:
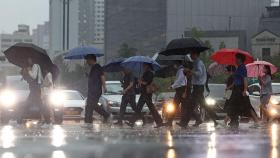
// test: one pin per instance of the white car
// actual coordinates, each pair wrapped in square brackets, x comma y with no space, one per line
[274,103]
[73,104]
[111,100]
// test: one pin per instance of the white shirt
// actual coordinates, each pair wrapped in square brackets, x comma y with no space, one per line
[180,80]
[36,73]
[200,76]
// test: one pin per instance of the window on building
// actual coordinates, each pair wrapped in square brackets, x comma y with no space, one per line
[28,40]
[17,40]
[266,54]
[6,40]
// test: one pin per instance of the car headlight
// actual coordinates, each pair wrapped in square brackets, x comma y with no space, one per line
[210,101]
[170,107]
[274,101]
[7,98]
[57,98]
[113,103]
[273,112]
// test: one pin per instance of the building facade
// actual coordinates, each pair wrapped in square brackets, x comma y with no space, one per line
[41,35]
[76,23]
[21,35]
[149,25]
[64,25]
[266,43]
[140,24]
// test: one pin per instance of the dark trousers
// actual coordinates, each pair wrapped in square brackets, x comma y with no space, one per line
[92,105]
[146,99]
[178,99]
[128,99]
[197,99]
[34,99]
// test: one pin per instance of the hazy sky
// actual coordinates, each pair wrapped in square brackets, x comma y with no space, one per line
[30,12]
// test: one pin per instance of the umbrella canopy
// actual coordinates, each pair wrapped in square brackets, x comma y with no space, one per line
[114,65]
[165,72]
[183,46]
[255,69]
[216,69]
[81,52]
[167,60]
[227,56]
[135,64]
[20,52]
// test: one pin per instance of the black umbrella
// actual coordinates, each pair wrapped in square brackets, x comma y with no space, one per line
[114,65]
[183,46]
[168,60]
[165,72]
[20,52]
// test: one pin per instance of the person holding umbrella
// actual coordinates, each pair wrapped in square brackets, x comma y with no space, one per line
[239,100]
[96,82]
[33,75]
[139,63]
[129,96]
[263,71]
[199,78]
[266,90]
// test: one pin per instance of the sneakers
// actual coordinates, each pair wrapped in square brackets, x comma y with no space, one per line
[87,125]
[161,125]
[197,123]
[129,124]
[118,123]
[46,126]
[182,125]
[255,125]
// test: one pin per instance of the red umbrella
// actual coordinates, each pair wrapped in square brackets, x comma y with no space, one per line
[255,69]
[227,56]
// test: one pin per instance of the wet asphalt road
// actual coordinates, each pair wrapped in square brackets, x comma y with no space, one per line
[104,141]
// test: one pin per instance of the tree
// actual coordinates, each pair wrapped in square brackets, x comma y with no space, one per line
[125,51]
[222,45]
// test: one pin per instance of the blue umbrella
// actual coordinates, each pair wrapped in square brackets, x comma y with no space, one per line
[114,65]
[81,52]
[135,64]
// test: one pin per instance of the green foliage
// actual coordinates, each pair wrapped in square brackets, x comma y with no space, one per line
[222,45]
[164,83]
[125,51]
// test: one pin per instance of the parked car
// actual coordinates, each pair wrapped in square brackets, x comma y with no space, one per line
[274,103]
[13,96]
[111,100]
[72,103]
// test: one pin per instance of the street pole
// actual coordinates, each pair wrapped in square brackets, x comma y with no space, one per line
[63,25]
[68,18]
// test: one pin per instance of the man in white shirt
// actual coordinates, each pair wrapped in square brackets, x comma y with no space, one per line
[179,86]
[33,75]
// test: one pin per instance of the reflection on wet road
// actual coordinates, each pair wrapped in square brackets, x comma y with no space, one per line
[103,141]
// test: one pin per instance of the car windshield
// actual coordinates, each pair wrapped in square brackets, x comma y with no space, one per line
[114,88]
[73,96]
[16,84]
[217,91]
[276,88]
